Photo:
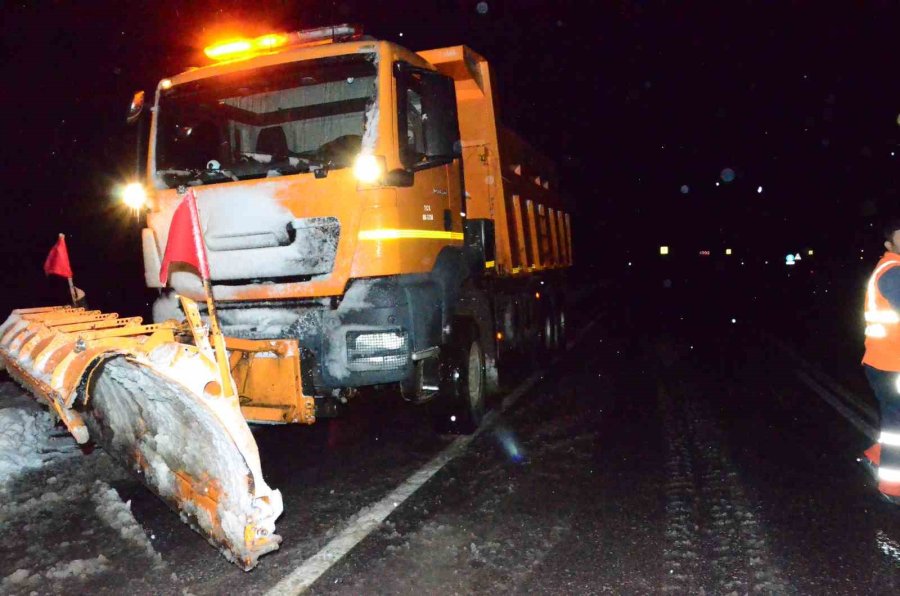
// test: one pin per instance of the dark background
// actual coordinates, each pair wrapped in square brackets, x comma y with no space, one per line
[633,99]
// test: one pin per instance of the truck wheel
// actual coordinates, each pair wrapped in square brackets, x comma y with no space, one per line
[462,408]
[549,333]
[562,337]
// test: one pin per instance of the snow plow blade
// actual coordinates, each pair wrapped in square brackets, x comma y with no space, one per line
[152,396]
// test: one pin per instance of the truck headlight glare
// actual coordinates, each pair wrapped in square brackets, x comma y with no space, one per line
[134,195]
[368,169]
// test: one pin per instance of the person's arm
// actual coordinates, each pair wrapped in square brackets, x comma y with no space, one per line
[889,286]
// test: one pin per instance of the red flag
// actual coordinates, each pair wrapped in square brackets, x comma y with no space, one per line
[57,262]
[185,243]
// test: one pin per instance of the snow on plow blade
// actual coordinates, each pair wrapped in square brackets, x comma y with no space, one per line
[151,395]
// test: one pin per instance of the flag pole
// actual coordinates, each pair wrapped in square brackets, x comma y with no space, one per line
[186,244]
[72,293]
[218,339]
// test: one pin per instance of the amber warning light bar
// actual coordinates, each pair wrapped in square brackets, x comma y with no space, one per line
[245,47]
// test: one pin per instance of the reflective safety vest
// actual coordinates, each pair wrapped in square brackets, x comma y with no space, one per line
[882,321]
[889,475]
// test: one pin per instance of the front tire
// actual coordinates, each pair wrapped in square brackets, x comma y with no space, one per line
[462,407]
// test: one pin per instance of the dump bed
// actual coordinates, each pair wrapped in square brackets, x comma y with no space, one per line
[506,179]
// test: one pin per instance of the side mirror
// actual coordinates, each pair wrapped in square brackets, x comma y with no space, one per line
[440,121]
[136,108]
[399,177]
[426,100]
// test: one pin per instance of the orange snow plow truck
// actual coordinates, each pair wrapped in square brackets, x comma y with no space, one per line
[368,223]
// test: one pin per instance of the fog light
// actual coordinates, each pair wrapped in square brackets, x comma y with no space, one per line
[384,350]
[379,341]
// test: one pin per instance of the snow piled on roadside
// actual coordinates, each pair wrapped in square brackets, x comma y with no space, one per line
[26,441]
[117,515]
[63,528]
[77,568]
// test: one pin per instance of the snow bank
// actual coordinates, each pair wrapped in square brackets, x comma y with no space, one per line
[25,435]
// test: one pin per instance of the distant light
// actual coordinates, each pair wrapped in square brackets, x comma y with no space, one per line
[727,175]
[789,260]
[809,252]
[686,189]
[733,321]
[727,251]
[401,34]
[452,418]
[759,190]
[482,7]
[663,250]
[704,253]
[717,184]
[165,84]
[629,262]
[797,257]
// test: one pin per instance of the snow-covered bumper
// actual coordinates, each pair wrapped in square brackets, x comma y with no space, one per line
[370,337]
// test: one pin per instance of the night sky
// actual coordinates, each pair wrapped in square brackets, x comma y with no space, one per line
[633,99]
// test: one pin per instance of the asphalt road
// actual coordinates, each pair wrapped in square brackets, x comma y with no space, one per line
[670,451]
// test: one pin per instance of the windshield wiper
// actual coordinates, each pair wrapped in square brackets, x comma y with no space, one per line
[300,165]
[179,176]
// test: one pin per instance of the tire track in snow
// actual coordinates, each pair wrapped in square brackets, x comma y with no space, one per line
[714,538]
[682,539]
[741,561]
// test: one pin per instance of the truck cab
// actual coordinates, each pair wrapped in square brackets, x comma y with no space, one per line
[331,180]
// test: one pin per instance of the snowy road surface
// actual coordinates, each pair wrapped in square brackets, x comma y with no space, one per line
[663,454]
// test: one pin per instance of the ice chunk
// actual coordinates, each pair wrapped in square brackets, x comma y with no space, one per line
[78,567]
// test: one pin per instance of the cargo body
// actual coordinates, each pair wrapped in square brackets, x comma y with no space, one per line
[460,235]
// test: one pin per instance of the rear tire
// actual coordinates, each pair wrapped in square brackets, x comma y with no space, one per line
[562,337]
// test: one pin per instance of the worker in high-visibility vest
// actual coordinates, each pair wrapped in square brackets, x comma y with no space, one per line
[881,362]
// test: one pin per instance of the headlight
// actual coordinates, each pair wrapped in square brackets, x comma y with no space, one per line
[134,195]
[368,169]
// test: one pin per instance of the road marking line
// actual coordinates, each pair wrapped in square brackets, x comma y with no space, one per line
[860,424]
[367,519]
[849,399]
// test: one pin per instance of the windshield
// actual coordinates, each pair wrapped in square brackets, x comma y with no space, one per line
[286,119]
